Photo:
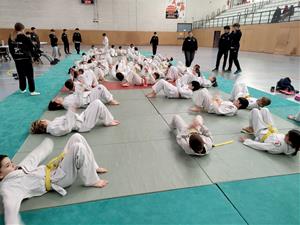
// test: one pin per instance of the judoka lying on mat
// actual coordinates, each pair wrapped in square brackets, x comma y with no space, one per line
[194,139]
[72,121]
[81,99]
[30,179]
[203,100]
[267,137]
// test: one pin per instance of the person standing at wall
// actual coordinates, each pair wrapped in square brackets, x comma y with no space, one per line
[77,40]
[154,42]
[235,38]
[53,42]
[224,46]
[21,49]
[65,40]
[189,47]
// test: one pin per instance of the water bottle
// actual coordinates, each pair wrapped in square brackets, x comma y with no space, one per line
[2,43]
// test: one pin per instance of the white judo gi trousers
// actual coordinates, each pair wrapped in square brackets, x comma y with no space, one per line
[79,161]
[94,112]
[169,90]
[202,98]
[260,120]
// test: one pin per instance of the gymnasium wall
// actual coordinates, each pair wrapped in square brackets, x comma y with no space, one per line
[115,37]
[281,38]
[115,15]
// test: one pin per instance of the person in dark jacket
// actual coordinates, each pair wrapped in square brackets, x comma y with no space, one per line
[235,38]
[35,38]
[21,49]
[65,40]
[224,46]
[154,42]
[77,40]
[36,42]
[189,47]
[53,43]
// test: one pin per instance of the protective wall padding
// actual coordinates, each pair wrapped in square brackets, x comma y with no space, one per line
[200,205]
[18,110]
[273,200]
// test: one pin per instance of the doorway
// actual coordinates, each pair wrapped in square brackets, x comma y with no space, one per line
[217,35]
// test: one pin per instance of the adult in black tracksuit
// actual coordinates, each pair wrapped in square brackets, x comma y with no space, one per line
[77,40]
[189,47]
[154,43]
[235,38]
[21,49]
[65,40]
[224,46]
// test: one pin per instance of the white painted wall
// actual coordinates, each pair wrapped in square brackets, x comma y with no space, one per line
[127,15]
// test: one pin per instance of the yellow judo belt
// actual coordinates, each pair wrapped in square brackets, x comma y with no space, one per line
[52,165]
[271,130]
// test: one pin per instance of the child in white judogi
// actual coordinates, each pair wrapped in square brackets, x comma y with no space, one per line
[203,100]
[72,121]
[31,179]
[240,89]
[171,91]
[105,43]
[88,78]
[267,137]
[194,139]
[172,73]
[112,51]
[83,99]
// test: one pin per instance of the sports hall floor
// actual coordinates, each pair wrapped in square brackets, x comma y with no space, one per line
[151,180]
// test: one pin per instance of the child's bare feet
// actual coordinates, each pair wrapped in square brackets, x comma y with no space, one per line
[195,109]
[242,139]
[291,117]
[113,123]
[125,85]
[114,102]
[100,184]
[101,170]
[151,95]
[247,130]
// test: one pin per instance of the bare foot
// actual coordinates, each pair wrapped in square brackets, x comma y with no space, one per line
[242,139]
[151,95]
[291,117]
[113,123]
[114,102]
[125,85]
[195,109]
[101,170]
[100,184]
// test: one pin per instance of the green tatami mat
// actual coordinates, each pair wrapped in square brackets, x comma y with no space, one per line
[201,205]
[274,200]
[18,110]
[134,168]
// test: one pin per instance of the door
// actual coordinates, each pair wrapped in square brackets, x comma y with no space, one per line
[217,35]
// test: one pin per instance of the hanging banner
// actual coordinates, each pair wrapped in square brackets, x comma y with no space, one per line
[175,9]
